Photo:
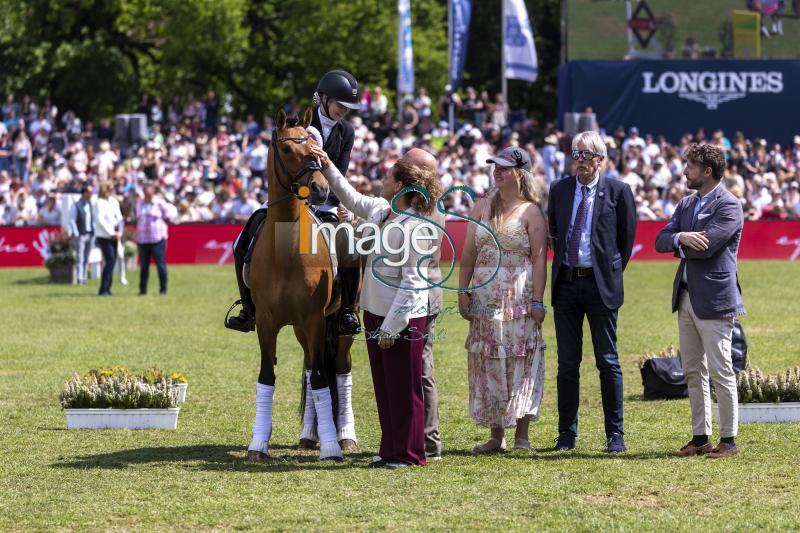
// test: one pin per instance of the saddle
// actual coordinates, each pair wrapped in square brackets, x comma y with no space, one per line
[253,229]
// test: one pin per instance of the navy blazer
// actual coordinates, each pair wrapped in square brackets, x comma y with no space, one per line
[613,231]
[711,275]
[338,146]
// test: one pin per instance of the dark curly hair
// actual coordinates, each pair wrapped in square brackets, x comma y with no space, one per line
[707,156]
[408,175]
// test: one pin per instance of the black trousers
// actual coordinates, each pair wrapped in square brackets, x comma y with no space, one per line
[109,249]
[573,300]
[158,252]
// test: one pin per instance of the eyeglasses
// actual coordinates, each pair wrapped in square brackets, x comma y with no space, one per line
[584,155]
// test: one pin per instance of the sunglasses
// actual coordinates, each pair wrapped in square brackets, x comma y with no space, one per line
[584,155]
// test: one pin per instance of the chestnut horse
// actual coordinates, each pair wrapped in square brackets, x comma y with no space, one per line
[293,287]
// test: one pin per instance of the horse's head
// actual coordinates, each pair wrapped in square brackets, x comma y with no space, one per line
[295,169]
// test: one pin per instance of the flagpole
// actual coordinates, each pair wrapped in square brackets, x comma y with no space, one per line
[400,48]
[450,107]
[504,86]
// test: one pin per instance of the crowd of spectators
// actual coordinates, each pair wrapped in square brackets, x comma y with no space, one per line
[211,165]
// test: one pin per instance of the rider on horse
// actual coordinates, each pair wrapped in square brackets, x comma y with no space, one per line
[336,95]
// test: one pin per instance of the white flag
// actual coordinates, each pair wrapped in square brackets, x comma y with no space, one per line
[519,48]
[405,66]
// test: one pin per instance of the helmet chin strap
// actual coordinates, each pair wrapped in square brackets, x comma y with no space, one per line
[324,104]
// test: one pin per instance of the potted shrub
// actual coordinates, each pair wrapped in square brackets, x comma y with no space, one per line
[61,259]
[768,398]
[117,399]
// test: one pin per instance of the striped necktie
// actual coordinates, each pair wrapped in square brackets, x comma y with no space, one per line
[577,228]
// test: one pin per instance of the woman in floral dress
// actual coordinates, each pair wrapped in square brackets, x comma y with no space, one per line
[505,306]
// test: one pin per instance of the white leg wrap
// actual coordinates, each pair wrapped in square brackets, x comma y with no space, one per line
[329,446]
[309,414]
[347,421]
[262,427]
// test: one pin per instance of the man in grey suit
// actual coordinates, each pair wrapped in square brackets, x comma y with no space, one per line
[704,233]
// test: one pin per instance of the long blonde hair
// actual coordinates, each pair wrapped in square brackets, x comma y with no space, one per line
[527,189]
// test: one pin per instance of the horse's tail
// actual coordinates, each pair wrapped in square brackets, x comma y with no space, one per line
[329,361]
[303,385]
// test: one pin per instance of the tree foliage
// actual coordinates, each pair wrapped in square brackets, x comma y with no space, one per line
[98,56]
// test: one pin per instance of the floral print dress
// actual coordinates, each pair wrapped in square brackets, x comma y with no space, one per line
[504,345]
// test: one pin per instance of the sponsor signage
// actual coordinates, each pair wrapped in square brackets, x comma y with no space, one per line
[212,243]
[671,98]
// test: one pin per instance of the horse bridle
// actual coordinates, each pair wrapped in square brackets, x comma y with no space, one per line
[293,189]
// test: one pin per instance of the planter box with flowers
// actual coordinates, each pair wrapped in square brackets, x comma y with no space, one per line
[117,399]
[770,398]
[176,380]
[61,259]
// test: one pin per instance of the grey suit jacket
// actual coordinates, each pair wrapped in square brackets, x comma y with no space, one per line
[435,296]
[711,275]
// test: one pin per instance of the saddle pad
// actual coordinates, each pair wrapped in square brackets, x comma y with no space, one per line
[315,220]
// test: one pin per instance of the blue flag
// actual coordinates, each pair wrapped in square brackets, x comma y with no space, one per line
[459,35]
[405,65]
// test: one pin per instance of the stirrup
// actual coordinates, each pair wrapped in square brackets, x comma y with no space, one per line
[233,323]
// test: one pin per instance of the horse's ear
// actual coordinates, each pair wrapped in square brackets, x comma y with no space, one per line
[280,120]
[307,116]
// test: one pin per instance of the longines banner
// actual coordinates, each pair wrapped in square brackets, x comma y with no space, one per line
[758,98]
[211,243]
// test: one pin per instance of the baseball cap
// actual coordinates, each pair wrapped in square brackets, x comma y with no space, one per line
[514,157]
[634,129]
[797,139]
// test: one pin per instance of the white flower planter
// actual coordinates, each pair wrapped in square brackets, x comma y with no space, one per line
[766,412]
[122,418]
[181,392]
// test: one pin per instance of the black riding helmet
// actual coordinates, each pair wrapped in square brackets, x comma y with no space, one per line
[341,86]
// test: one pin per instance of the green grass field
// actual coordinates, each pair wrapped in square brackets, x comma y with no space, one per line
[196,477]
[596,29]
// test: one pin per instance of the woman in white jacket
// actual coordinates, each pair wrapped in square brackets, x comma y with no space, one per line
[394,297]
[107,219]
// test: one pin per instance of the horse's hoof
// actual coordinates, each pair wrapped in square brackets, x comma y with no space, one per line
[255,456]
[330,450]
[306,445]
[348,445]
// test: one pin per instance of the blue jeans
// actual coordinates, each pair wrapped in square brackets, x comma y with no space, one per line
[157,251]
[572,300]
[109,249]
[83,246]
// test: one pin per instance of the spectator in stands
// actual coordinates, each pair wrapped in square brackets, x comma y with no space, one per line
[50,213]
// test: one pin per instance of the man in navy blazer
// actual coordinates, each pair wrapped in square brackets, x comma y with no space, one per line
[592,225]
[704,233]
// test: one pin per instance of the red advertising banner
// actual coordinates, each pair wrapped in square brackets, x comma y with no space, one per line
[212,243]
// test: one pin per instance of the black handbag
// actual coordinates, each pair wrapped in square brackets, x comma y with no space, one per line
[663,379]
[738,347]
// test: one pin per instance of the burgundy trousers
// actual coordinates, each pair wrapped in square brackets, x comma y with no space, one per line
[397,378]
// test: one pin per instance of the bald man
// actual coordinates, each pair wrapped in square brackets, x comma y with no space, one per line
[433,441]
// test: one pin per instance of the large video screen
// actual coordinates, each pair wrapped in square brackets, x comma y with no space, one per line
[597,29]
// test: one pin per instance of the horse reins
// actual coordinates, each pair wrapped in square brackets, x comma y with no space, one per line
[294,188]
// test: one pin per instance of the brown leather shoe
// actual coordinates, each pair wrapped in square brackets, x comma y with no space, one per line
[722,450]
[691,450]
